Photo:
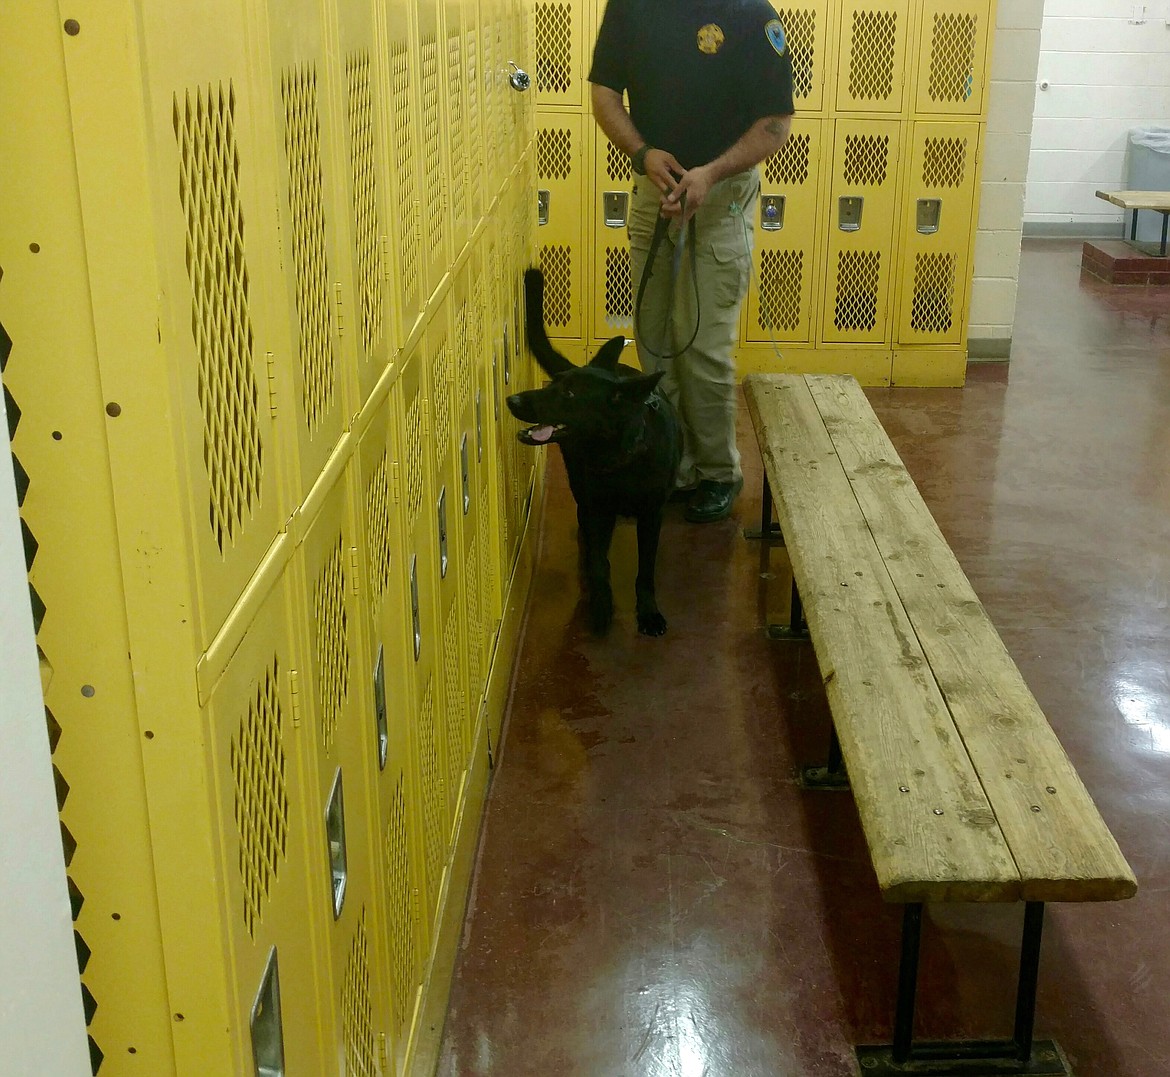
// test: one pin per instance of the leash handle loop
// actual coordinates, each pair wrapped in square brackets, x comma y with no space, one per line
[686,239]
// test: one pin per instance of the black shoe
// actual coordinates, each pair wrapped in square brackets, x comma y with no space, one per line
[713,501]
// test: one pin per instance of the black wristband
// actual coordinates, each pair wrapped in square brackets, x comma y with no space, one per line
[638,159]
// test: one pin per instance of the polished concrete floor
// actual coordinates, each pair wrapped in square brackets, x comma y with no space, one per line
[654,894]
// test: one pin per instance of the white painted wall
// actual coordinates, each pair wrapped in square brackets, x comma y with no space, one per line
[1108,70]
[42,1027]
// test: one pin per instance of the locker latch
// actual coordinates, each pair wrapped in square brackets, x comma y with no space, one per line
[849,212]
[443,557]
[928,213]
[380,717]
[335,833]
[465,464]
[415,610]
[266,1027]
[771,212]
[616,207]
[542,201]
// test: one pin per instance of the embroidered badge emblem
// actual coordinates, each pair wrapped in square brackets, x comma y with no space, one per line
[710,39]
[775,34]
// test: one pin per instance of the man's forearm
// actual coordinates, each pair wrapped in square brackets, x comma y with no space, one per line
[758,143]
[614,120]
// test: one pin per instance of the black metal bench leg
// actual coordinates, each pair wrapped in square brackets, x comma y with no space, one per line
[907,981]
[797,627]
[768,529]
[1029,977]
[832,775]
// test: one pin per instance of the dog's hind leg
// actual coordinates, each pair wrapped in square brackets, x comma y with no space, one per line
[594,533]
[650,619]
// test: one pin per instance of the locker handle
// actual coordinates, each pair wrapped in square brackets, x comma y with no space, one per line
[382,726]
[465,464]
[335,835]
[929,210]
[415,610]
[849,209]
[443,556]
[616,207]
[265,1023]
[772,212]
[542,204]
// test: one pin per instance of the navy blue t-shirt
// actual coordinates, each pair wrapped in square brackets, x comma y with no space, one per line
[699,73]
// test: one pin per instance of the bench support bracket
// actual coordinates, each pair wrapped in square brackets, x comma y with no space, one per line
[832,775]
[1022,1054]
[768,530]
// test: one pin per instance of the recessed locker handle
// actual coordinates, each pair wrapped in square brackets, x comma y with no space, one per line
[772,212]
[616,208]
[444,559]
[929,210]
[265,1023]
[335,833]
[849,207]
[382,726]
[543,198]
[415,608]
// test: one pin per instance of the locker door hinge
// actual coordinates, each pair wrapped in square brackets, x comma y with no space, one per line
[395,483]
[387,261]
[340,310]
[353,564]
[270,360]
[415,905]
[426,419]
[383,1058]
[294,691]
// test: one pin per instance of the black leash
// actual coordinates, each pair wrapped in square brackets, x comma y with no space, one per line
[687,239]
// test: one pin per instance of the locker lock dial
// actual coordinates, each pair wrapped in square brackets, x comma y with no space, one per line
[518,79]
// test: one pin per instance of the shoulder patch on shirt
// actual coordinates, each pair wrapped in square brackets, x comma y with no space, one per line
[775,34]
[710,39]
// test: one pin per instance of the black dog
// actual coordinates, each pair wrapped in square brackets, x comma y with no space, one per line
[621,444]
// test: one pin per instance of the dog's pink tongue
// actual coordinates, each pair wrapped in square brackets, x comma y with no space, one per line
[541,433]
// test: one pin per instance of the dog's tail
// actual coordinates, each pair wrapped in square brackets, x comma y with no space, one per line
[551,361]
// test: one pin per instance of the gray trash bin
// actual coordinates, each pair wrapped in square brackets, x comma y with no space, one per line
[1147,168]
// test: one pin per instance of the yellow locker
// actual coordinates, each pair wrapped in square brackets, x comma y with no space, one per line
[473,82]
[953,57]
[871,67]
[374,323]
[861,213]
[560,53]
[312,235]
[434,181]
[386,621]
[455,64]
[788,250]
[561,255]
[402,60]
[808,29]
[274,869]
[335,720]
[613,291]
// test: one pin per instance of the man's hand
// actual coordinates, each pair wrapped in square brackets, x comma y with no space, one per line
[663,170]
[696,185]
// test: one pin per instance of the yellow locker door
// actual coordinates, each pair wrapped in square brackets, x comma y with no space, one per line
[402,59]
[386,620]
[434,181]
[937,228]
[613,291]
[477,192]
[860,219]
[954,57]
[374,324]
[312,235]
[336,719]
[458,139]
[560,52]
[871,68]
[787,236]
[807,29]
[275,873]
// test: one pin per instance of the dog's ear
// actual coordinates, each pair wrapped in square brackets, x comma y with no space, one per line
[638,389]
[611,352]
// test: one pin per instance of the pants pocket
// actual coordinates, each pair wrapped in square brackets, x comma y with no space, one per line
[731,264]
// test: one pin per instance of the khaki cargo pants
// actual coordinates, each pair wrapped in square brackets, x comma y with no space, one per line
[700,383]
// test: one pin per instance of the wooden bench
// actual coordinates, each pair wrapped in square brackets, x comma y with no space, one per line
[1156,201]
[963,790]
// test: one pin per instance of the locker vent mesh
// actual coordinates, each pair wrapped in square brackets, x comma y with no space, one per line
[400,82]
[619,297]
[781,275]
[554,153]
[441,400]
[487,574]
[503,105]
[934,293]
[866,160]
[471,52]
[434,798]
[617,164]
[209,168]
[464,357]
[400,903]
[857,290]
[800,31]
[378,533]
[554,48]
[872,51]
[432,161]
[456,705]
[556,263]
[258,765]
[952,57]
[456,144]
[790,165]
[474,628]
[332,629]
[367,227]
[413,463]
[490,103]
[944,162]
[298,91]
[357,1008]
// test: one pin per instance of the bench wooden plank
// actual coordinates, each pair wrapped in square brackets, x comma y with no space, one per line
[1061,846]
[938,840]
[1155,200]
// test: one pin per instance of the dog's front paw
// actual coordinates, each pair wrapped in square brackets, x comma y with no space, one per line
[652,623]
[600,613]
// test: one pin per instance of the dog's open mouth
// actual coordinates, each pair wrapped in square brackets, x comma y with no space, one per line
[539,435]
